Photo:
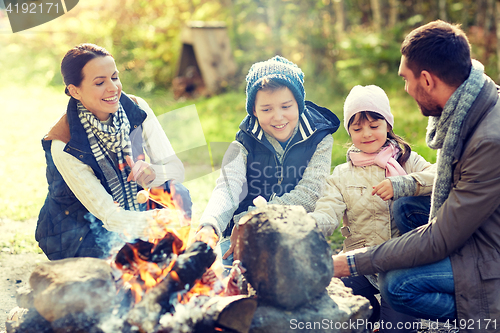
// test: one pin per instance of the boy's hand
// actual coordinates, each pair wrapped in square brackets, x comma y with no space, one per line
[207,235]
[384,190]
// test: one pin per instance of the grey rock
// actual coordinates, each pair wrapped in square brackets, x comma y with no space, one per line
[24,297]
[72,286]
[287,258]
[336,310]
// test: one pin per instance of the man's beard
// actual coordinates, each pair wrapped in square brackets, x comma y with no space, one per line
[426,104]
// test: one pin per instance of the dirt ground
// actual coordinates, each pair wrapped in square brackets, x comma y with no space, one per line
[15,269]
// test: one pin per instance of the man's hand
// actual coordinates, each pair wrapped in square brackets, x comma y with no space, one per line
[340,266]
[384,190]
[235,279]
[142,172]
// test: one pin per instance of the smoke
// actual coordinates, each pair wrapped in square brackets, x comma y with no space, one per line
[108,241]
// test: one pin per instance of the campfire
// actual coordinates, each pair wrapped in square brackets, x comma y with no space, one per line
[159,283]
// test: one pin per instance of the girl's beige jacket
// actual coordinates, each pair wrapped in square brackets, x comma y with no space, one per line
[366,219]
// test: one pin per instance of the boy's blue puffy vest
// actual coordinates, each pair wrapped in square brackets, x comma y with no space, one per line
[61,224]
[265,175]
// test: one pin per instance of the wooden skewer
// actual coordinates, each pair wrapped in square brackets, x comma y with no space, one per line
[143,196]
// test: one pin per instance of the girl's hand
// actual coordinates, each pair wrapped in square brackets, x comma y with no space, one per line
[384,190]
[142,172]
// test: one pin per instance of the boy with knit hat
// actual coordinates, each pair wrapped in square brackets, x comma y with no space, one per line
[380,168]
[282,151]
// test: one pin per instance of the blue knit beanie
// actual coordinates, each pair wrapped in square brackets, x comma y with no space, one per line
[276,69]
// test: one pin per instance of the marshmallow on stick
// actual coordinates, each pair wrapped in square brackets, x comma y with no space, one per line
[143,197]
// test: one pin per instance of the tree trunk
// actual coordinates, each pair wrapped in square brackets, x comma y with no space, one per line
[340,22]
[377,14]
[233,23]
[497,21]
[480,13]
[490,16]
[442,10]
[274,22]
[394,11]
[465,16]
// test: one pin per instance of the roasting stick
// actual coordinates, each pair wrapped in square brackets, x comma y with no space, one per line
[143,197]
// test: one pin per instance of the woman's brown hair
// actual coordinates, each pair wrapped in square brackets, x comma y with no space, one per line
[74,61]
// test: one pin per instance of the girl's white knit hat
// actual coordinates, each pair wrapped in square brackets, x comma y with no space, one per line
[367,98]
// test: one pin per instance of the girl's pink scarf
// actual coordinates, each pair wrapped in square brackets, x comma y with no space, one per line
[384,159]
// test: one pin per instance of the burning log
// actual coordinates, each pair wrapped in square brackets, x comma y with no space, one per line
[188,268]
[148,251]
[204,314]
[234,312]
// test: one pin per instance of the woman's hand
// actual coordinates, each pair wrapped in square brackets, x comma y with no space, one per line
[384,190]
[142,172]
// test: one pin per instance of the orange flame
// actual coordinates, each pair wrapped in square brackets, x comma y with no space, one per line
[198,289]
[141,275]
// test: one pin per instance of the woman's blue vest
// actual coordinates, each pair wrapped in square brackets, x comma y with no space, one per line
[265,175]
[61,223]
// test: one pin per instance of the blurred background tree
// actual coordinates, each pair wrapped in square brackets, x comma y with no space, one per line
[337,43]
[324,37]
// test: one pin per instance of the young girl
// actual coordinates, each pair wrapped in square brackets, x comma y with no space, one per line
[95,161]
[380,168]
[282,151]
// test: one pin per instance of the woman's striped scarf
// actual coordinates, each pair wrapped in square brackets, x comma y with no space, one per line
[443,133]
[108,139]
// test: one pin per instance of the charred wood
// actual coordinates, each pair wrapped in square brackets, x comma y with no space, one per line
[234,313]
[148,251]
[204,314]
[188,268]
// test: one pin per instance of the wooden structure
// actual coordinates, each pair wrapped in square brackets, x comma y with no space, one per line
[206,64]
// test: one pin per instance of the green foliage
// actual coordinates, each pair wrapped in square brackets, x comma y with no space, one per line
[20,243]
[336,241]
[367,57]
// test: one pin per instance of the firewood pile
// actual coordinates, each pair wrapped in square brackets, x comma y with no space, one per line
[158,287]
[84,294]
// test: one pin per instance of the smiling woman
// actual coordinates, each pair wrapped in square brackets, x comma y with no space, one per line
[100,89]
[96,164]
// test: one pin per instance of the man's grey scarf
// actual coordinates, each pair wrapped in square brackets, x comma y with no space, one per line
[443,133]
[106,140]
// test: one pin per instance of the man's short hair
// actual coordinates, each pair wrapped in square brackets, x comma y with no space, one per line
[440,48]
